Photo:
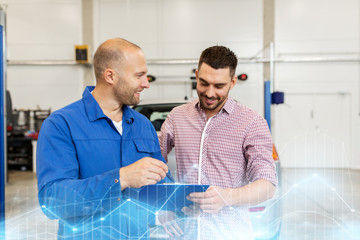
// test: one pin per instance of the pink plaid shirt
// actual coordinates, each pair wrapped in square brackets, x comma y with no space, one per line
[229,150]
[236,145]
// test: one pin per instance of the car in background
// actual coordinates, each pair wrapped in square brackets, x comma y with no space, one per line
[156,111]
[265,217]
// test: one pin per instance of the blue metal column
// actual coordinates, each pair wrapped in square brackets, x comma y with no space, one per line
[2,138]
[267,103]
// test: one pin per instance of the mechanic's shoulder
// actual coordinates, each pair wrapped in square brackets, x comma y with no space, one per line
[67,112]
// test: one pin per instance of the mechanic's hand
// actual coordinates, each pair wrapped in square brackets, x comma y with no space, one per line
[145,171]
[211,201]
[168,220]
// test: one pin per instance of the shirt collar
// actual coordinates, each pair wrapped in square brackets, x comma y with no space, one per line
[228,106]
[127,114]
[94,111]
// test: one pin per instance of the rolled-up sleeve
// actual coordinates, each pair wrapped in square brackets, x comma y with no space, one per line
[258,152]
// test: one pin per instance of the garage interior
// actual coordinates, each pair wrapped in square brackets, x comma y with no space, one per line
[307,50]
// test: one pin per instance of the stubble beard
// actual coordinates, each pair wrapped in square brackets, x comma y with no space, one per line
[205,106]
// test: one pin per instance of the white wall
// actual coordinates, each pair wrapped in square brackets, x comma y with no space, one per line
[322,98]
[43,30]
[181,29]
[48,30]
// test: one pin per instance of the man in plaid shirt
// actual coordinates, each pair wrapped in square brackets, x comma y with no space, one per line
[221,143]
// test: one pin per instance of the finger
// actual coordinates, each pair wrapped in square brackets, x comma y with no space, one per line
[163,175]
[178,228]
[148,182]
[208,207]
[186,210]
[211,208]
[201,201]
[207,194]
[160,164]
[213,211]
[171,227]
[194,207]
[153,176]
[197,194]
[211,188]
[211,191]
[191,211]
[167,231]
[157,170]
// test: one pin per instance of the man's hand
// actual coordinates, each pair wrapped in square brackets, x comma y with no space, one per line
[168,220]
[211,201]
[192,211]
[143,172]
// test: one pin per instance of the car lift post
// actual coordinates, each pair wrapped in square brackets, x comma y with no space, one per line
[267,103]
[3,137]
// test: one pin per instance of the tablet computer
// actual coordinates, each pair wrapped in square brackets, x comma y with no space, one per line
[167,197]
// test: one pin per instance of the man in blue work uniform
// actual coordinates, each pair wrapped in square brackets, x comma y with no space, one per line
[91,150]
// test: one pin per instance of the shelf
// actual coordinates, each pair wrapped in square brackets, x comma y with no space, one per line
[47,62]
[187,61]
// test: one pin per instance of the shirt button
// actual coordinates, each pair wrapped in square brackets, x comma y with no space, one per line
[116,180]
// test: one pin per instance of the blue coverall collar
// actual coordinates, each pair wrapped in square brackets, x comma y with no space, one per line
[94,111]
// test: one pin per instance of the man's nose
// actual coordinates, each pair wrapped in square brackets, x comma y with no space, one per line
[210,92]
[145,82]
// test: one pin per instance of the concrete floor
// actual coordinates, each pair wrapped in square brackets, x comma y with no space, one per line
[316,204]
[24,218]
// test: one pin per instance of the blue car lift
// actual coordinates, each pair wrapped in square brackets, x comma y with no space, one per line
[2,137]
[267,103]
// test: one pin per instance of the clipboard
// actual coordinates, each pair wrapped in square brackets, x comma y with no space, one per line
[167,197]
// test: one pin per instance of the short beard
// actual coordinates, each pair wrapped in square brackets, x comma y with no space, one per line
[202,105]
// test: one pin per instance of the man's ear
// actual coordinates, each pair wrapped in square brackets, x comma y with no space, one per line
[233,81]
[109,75]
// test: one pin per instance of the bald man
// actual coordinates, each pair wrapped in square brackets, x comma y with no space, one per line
[91,150]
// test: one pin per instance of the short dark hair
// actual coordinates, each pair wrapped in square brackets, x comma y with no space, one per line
[219,57]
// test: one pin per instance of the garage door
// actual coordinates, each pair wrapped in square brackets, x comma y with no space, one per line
[313,130]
